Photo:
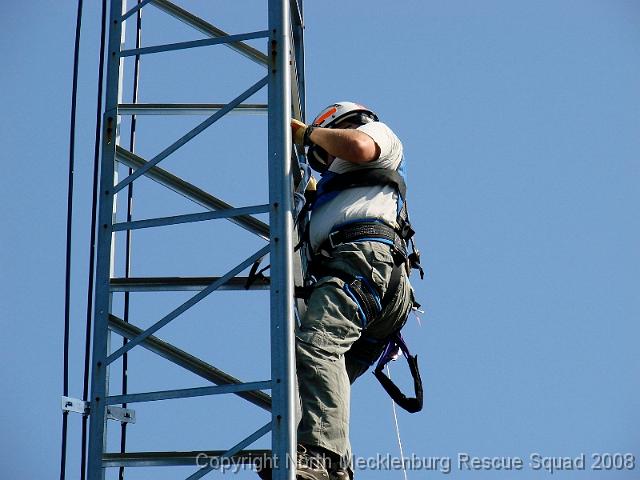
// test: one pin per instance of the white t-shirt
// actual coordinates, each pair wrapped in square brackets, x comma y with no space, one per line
[361,202]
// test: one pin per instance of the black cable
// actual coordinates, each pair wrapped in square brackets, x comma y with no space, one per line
[67,281]
[127,273]
[92,248]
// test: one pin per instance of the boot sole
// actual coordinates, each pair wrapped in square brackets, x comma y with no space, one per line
[301,475]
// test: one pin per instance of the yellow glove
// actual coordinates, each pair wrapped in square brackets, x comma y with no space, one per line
[312,185]
[310,191]
[298,131]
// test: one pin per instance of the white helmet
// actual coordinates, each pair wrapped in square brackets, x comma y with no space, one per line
[341,111]
[331,117]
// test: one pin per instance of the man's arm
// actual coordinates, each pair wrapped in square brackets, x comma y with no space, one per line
[348,144]
[345,143]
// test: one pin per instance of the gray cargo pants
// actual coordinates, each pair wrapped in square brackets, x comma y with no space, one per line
[326,363]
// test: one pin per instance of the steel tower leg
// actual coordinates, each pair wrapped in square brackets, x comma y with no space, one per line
[283,59]
[280,192]
[104,252]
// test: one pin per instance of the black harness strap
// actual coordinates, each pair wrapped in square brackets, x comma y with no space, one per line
[365,230]
[362,294]
[365,178]
[365,297]
[392,287]
[410,404]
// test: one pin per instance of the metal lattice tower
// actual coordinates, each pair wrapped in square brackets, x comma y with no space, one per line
[283,78]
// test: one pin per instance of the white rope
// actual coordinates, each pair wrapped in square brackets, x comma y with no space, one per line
[395,418]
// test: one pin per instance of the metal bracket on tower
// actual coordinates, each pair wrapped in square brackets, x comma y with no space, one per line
[124,415]
[76,405]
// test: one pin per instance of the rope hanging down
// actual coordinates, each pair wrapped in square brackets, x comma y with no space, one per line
[395,418]
[92,246]
[72,135]
[67,282]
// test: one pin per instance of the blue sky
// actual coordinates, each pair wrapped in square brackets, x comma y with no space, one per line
[521,128]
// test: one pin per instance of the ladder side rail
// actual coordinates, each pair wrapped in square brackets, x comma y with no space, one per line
[281,222]
[104,255]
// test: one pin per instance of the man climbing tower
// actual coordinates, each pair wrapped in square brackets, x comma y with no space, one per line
[361,298]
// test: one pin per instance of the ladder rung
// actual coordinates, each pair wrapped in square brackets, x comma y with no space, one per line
[187,108]
[159,459]
[156,284]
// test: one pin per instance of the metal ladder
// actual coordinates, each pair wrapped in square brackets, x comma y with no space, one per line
[283,62]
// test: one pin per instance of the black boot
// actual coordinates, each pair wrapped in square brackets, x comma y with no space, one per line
[312,464]
[340,474]
[338,468]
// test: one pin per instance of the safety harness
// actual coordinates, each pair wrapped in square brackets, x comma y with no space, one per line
[361,289]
